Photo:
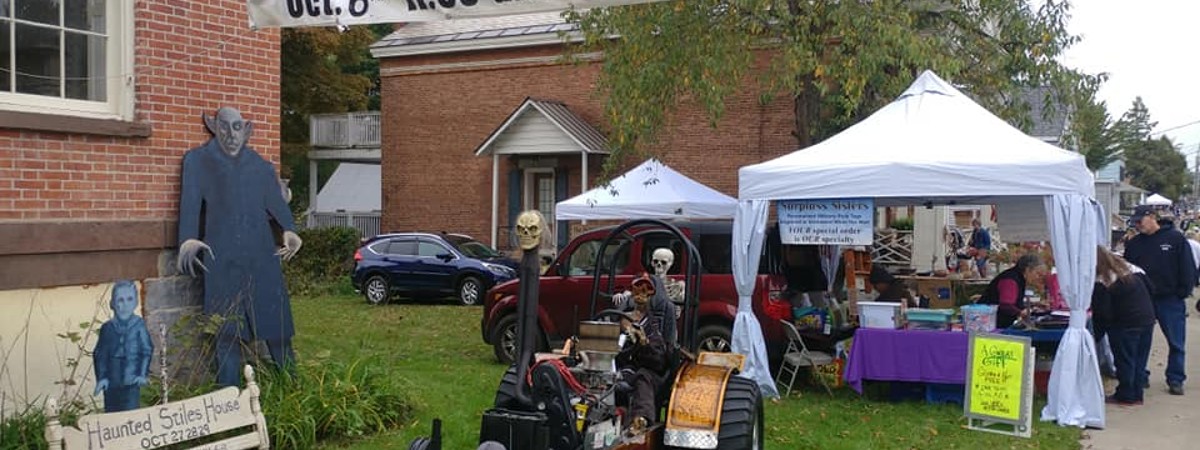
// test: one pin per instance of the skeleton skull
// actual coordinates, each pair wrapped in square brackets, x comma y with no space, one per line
[530,226]
[662,260]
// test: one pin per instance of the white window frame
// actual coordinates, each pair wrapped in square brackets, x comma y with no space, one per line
[119,104]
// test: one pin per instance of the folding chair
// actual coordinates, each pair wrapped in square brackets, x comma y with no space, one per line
[797,357]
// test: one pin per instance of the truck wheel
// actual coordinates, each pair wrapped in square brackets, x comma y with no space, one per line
[506,338]
[741,416]
[715,338]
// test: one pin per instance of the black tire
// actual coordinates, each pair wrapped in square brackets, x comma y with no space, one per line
[505,339]
[470,291]
[377,290]
[715,338]
[741,416]
[506,394]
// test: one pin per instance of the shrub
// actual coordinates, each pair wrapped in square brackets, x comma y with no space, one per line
[903,223]
[324,261]
[24,430]
[326,400]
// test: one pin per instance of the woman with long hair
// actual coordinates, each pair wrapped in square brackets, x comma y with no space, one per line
[1121,305]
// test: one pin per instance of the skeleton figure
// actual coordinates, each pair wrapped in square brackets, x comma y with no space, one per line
[530,226]
[230,200]
[662,259]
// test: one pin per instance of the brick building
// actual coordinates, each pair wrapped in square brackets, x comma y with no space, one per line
[473,102]
[92,134]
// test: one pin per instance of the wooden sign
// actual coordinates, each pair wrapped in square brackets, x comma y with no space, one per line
[167,424]
[999,394]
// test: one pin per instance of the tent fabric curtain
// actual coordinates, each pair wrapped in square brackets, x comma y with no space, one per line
[1076,393]
[749,235]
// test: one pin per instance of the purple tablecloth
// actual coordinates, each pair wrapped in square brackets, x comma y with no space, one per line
[907,355]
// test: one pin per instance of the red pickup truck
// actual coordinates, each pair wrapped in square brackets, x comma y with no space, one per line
[566,287]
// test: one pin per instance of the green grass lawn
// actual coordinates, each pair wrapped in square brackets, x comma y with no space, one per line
[437,350]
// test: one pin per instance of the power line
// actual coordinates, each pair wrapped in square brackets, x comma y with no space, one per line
[1194,122]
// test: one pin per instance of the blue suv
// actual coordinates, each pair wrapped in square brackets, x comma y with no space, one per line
[424,264]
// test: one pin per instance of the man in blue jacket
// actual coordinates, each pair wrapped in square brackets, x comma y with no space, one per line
[1163,252]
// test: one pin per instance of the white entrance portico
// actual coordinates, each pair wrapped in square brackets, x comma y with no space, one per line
[537,140]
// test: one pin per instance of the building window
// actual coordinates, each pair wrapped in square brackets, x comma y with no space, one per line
[67,57]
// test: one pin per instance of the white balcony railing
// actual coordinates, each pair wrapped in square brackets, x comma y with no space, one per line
[367,223]
[348,130]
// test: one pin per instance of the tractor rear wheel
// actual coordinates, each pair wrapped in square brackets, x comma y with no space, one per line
[506,394]
[741,416]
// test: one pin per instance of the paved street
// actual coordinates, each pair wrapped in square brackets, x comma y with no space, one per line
[1165,421]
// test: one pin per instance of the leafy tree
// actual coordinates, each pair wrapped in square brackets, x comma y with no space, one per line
[1135,124]
[324,71]
[836,60]
[1157,166]
[1094,133]
[1153,164]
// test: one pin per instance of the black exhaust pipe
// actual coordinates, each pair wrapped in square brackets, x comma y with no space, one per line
[527,307]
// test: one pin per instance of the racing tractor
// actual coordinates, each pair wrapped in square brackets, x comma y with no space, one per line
[580,396]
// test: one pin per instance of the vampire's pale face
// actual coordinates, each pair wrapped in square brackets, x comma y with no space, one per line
[232,130]
[124,302]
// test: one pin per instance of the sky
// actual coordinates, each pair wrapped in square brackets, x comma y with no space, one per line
[1148,48]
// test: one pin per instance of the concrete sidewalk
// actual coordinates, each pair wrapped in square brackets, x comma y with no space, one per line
[1165,421]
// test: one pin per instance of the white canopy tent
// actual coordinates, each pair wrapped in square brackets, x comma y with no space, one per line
[933,145]
[1158,200]
[649,191]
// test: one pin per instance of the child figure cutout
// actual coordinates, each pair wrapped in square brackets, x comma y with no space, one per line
[122,355]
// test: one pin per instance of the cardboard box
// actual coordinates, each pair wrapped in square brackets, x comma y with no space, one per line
[939,291]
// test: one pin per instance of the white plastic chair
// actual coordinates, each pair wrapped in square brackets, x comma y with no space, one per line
[796,357]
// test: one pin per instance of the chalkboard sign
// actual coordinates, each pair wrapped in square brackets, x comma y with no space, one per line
[999,393]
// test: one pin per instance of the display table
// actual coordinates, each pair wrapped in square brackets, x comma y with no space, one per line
[907,355]
[1047,336]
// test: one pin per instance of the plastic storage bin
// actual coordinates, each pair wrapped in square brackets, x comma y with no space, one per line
[979,318]
[928,319]
[945,393]
[879,315]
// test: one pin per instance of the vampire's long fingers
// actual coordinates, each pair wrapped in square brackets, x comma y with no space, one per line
[202,267]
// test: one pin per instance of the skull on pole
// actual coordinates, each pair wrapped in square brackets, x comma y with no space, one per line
[530,227]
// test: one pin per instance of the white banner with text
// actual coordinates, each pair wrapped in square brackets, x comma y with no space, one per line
[827,222]
[308,13]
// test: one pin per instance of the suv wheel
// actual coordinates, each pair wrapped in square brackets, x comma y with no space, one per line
[505,339]
[715,338]
[377,290]
[470,289]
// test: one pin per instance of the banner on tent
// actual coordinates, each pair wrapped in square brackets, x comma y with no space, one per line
[827,222]
[303,13]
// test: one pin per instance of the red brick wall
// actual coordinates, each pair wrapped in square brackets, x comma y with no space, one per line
[434,121]
[190,59]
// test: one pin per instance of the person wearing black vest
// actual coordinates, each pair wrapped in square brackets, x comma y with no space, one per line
[1007,290]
